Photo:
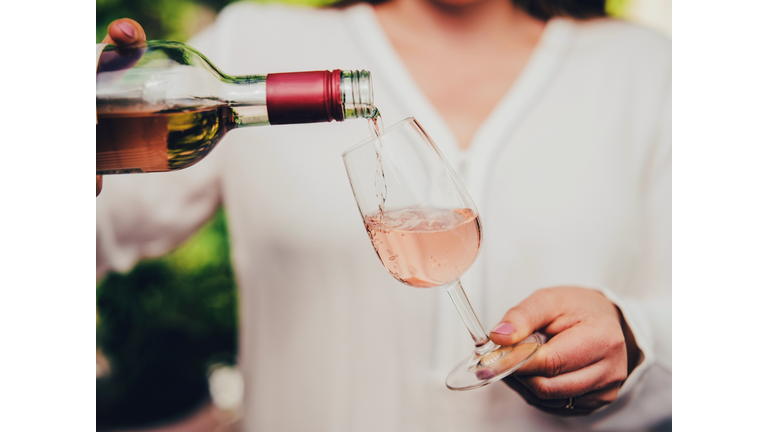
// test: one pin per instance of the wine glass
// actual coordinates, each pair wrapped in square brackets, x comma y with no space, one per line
[427,232]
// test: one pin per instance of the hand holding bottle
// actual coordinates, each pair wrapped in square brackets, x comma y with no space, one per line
[124,32]
[163,106]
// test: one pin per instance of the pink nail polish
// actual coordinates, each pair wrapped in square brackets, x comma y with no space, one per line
[127,29]
[485,374]
[503,329]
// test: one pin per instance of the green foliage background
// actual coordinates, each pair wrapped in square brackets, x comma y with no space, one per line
[163,324]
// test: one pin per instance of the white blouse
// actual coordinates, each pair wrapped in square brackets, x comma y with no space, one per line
[571,175]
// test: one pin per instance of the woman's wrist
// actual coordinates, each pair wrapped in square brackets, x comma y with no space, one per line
[633,352]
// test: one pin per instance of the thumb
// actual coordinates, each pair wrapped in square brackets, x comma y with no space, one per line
[533,313]
[125,32]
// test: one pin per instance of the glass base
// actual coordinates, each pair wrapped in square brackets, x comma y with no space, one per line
[481,370]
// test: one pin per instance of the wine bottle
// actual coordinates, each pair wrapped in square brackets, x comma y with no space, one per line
[163,106]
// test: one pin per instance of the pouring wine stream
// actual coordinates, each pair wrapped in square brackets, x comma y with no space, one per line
[376,126]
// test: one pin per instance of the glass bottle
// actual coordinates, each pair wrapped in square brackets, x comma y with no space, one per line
[163,106]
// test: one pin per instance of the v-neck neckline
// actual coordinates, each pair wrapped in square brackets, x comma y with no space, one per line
[475,164]
[536,73]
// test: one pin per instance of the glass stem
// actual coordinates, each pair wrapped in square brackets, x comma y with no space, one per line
[482,343]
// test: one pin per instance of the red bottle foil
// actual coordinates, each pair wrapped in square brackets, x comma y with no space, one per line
[304,97]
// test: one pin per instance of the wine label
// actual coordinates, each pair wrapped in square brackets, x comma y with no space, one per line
[99,50]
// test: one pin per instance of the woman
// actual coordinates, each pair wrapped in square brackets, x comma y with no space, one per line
[557,121]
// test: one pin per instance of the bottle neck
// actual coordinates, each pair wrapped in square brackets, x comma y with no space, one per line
[247,97]
[298,97]
[357,94]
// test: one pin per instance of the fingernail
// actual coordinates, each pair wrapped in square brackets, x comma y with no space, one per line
[127,29]
[503,329]
[485,374]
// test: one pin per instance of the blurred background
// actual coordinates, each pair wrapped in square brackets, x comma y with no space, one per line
[166,332]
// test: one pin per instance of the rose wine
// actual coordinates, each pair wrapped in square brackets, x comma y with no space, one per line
[425,247]
[158,141]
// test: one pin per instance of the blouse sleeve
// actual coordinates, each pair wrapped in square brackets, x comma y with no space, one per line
[645,398]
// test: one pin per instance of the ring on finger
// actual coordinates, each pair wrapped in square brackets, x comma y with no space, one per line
[570,404]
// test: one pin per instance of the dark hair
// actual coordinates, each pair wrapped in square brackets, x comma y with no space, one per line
[541,9]
[546,9]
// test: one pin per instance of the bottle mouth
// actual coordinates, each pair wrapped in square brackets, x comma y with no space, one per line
[357,94]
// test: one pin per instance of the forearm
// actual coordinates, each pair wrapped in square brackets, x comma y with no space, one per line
[147,215]
[645,398]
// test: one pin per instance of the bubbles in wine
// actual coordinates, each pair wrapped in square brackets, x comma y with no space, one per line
[450,237]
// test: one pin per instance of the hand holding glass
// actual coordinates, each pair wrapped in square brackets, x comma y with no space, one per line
[428,234]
